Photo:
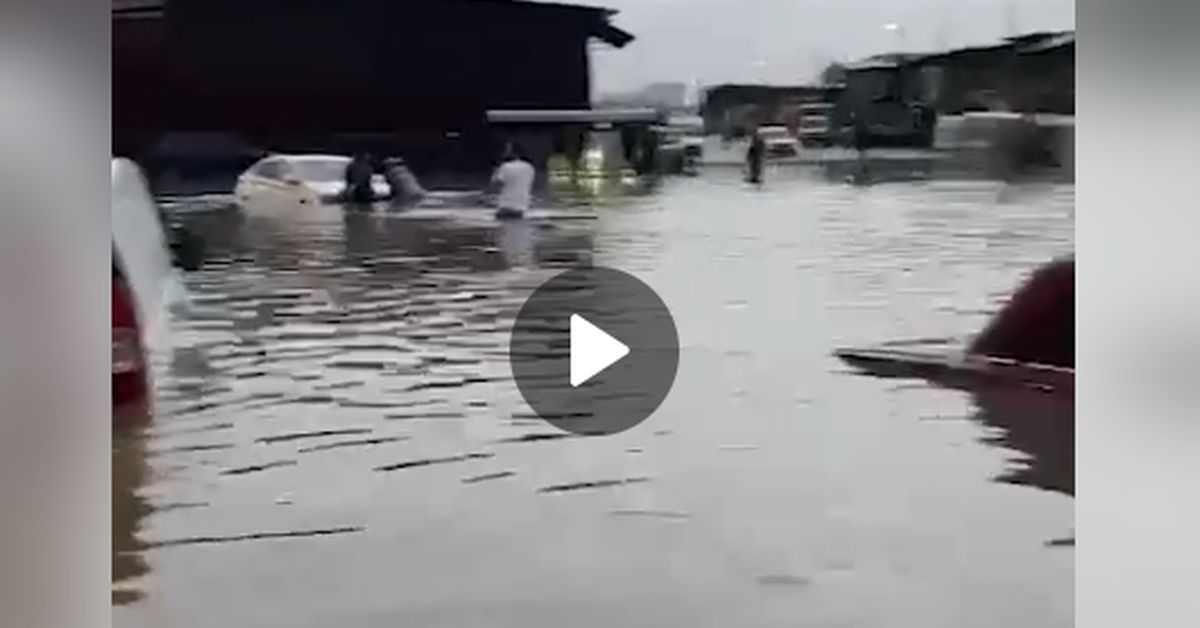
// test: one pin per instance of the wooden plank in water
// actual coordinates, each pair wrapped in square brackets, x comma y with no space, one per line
[949,364]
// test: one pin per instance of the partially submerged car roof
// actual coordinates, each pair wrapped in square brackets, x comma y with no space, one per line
[312,157]
[140,249]
[305,157]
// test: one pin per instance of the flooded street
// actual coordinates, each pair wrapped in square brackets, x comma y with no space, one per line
[339,442]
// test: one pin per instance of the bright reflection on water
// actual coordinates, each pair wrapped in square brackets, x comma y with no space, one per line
[339,443]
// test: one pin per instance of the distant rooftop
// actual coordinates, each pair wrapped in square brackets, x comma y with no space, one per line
[1051,42]
[1022,44]
[569,116]
[884,61]
[1038,36]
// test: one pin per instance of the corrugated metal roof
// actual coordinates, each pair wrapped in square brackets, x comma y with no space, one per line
[1035,37]
[1028,43]
[963,52]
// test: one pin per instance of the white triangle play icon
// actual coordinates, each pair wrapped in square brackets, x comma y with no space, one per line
[592,350]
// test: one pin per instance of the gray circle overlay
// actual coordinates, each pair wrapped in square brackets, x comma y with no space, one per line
[617,398]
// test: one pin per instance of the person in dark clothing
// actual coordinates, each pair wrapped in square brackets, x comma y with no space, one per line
[754,158]
[358,179]
[861,133]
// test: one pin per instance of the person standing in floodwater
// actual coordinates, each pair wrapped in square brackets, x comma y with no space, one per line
[754,157]
[406,190]
[515,179]
[359,172]
[860,131]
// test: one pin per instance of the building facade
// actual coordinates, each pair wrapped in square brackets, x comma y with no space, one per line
[1034,72]
[413,77]
[735,110]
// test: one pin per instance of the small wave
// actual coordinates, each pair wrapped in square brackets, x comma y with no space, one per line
[254,536]
[425,462]
[362,442]
[281,438]
[486,477]
[255,468]
[590,484]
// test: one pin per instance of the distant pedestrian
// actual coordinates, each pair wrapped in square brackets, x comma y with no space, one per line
[755,155]
[514,178]
[860,135]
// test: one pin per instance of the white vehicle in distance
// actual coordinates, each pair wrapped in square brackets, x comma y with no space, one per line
[779,141]
[299,179]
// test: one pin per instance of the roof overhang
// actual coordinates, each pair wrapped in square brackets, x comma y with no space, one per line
[573,116]
[611,35]
[601,29]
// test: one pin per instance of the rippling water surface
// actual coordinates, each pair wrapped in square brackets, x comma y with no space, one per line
[340,444]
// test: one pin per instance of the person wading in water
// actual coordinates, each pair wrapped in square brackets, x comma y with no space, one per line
[860,131]
[754,157]
[514,178]
[406,190]
[358,179]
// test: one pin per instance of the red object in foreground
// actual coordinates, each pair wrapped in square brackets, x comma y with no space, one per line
[1030,341]
[1038,324]
[130,377]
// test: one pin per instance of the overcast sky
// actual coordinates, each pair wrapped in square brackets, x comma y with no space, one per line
[789,41]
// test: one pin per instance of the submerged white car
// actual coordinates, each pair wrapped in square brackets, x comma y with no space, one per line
[779,141]
[299,179]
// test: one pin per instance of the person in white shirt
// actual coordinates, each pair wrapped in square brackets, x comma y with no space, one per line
[515,179]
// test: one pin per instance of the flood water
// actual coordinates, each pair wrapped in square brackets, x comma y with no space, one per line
[339,442]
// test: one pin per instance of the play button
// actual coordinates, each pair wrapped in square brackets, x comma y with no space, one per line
[594,351]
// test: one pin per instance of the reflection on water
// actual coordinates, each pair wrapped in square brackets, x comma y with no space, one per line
[337,416]
[875,169]
[1037,426]
[130,508]
[1040,427]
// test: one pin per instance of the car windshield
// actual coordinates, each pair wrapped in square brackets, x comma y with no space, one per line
[320,170]
[771,133]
